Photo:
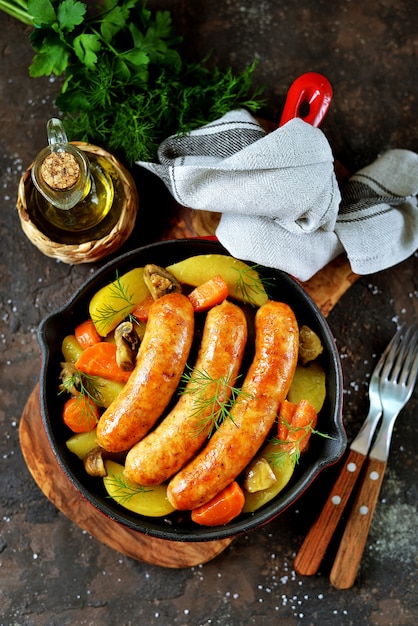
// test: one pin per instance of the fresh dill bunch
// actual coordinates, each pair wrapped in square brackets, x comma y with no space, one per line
[132,89]
[126,86]
[132,123]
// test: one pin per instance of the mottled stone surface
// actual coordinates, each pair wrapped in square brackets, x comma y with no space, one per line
[51,572]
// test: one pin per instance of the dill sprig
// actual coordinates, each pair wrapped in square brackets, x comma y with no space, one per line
[124,490]
[213,399]
[86,411]
[107,313]
[126,85]
[77,383]
[250,284]
[291,447]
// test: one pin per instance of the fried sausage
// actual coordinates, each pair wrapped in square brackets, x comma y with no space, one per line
[165,450]
[238,439]
[158,368]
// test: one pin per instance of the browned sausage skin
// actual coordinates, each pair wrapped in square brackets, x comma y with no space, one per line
[235,443]
[159,365]
[165,450]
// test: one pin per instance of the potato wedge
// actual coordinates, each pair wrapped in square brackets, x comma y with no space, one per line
[283,473]
[70,349]
[82,443]
[110,305]
[308,383]
[243,282]
[150,501]
[108,390]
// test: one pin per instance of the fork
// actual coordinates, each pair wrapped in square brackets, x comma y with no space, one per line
[316,542]
[397,381]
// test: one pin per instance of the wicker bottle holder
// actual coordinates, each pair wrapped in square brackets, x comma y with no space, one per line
[94,250]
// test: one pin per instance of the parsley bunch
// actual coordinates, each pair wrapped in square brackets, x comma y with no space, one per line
[126,86]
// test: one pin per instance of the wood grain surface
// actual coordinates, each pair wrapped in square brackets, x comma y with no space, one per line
[55,485]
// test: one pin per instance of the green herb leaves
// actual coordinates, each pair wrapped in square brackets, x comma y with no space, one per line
[76,383]
[213,399]
[50,35]
[249,284]
[70,14]
[43,12]
[124,490]
[85,47]
[126,86]
[64,30]
[117,306]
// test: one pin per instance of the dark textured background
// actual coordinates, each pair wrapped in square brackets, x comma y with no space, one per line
[52,573]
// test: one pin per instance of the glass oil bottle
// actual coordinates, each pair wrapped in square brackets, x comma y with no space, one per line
[72,199]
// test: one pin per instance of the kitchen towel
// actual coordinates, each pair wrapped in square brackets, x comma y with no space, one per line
[279,199]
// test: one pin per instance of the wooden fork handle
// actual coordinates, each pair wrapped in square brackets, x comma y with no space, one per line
[350,551]
[316,542]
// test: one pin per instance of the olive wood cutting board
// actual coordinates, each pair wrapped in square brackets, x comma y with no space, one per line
[325,288]
[55,485]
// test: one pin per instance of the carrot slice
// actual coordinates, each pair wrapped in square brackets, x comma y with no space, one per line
[296,422]
[80,414]
[222,508]
[100,360]
[208,294]
[287,411]
[86,334]
[141,311]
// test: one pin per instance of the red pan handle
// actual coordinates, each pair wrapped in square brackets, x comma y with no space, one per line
[308,98]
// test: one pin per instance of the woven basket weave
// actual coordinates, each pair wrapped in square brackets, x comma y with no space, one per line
[90,251]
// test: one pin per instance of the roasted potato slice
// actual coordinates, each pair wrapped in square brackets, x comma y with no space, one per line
[309,383]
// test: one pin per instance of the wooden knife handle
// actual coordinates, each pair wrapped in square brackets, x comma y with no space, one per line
[350,551]
[316,542]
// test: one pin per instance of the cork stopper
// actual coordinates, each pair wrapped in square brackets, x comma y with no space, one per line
[60,170]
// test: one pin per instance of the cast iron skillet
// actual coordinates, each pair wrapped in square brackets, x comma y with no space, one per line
[321,453]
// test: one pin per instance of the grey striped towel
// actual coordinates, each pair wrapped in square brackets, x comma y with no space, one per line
[280,202]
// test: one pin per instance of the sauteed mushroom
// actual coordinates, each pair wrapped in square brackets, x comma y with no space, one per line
[160,281]
[310,346]
[94,463]
[127,345]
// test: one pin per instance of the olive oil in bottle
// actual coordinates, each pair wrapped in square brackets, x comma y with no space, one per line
[73,195]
